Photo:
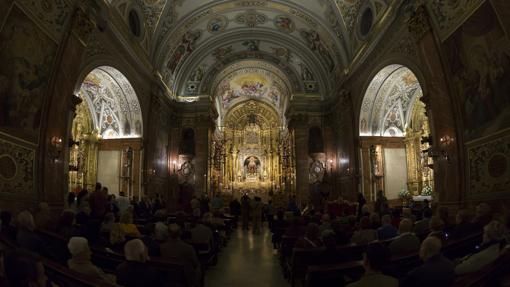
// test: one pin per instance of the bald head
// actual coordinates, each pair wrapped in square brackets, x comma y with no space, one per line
[431,246]
[135,250]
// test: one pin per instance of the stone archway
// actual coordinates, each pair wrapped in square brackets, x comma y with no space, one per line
[106,134]
[392,124]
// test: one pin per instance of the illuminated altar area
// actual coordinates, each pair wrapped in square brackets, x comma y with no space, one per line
[251,151]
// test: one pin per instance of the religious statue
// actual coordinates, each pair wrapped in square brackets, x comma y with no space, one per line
[252,164]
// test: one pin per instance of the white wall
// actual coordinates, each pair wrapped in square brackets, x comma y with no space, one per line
[395,171]
[108,170]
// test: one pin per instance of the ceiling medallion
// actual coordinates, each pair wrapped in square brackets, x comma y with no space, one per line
[251,18]
[217,24]
[284,24]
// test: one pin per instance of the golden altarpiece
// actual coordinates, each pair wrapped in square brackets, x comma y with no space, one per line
[83,150]
[419,164]
[252,153]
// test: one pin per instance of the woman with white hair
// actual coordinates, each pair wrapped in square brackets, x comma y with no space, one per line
[492,246]
[27,238]
[81,259]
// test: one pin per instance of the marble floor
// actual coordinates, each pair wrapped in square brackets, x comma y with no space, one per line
[247,261]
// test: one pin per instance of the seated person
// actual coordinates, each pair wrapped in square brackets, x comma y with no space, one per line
[483,215]
[108,221]
[202,234]
[117,238]
[386,231]
[311,238]
[175,248]
[464,226]
[407,241]
[24,269]
[374,260]
[134,272]
[325,223]
[330,255]
[365,234]
[81,259]
[492,246]
[437,227]
[158,235]
[422,226]
[27,238]
[7,229]
[126,221]
[65,225]
[42,217]
[436,270]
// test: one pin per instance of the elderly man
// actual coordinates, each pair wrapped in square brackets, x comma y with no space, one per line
[81,259]
[374,260]
[436,270]
[134,272]
[175,248]
[407,241]
[28,239]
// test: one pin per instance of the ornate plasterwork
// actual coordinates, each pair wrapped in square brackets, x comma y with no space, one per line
[388,102]
[113,103]
[320,45]
[449,15]
[51,14]
[18,166]
[489,167]
[239,116]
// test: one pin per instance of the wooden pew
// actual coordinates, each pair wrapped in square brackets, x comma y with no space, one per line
[488,276]
[397,267]
[177,273]
[60,274]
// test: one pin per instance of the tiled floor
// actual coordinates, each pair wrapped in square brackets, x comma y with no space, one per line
[247,261]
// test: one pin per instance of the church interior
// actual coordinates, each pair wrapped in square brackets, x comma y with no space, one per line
[195,143]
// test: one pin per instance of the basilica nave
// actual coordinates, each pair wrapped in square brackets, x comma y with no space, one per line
[187,112]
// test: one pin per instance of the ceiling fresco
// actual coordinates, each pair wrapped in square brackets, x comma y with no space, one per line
[388,103]
[113,103]
[312,42]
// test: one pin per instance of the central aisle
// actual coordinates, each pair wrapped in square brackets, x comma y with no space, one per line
[247,261]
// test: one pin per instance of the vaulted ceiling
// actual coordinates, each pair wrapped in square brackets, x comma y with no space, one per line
[309,43]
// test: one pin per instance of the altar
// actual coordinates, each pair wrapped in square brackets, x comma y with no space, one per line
[251,152]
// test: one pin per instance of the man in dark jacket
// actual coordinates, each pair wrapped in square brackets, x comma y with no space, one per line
[436,270]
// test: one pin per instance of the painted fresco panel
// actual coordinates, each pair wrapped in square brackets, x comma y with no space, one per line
[479,57]
[26,57]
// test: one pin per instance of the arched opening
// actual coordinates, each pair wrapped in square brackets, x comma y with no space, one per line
[106,134]
[394,134]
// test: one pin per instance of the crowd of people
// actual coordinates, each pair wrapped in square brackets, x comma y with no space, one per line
[99,221]
[141,230]
[423,229]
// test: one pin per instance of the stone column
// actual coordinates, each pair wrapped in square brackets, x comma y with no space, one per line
[299,125]
[59,111]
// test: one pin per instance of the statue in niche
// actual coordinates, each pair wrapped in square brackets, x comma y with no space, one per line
[252,164]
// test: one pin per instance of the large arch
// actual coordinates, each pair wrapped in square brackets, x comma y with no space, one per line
[113,103]
[392,126]
[388,102]
[106,134]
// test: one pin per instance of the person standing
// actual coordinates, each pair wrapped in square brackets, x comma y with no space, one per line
[269,213]
[257,215]
[245,211]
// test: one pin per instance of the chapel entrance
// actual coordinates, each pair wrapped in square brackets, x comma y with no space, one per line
[106,135]
[395,138]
